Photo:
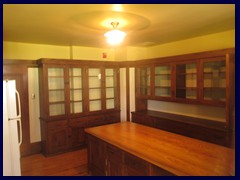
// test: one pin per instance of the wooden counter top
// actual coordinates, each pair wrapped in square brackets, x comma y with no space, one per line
[175,153]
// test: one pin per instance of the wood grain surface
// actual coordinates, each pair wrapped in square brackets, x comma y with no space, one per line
[175,153]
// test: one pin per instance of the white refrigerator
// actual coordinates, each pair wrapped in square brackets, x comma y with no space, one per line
[12,129]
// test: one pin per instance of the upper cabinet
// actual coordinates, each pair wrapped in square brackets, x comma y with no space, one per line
[143,79]
[56,90]
[200,79]
[73,89]
[186,81]
[205,78]
[214,75]
[163,81]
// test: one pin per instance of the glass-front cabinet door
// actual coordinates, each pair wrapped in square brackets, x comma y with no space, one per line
[76,90]
[56,91]
[186,81]
[95,89]
[162,81]
[111,87]
[214,80]
[143,81]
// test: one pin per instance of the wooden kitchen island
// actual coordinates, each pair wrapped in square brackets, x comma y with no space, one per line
[132,149]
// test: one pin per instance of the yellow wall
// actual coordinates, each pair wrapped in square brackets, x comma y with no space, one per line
[209,42]
[88,53]
[27,51]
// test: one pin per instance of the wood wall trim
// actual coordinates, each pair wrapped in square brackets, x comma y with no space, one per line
[31,63]
[177,58]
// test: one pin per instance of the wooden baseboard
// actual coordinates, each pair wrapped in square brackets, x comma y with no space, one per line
[30,149]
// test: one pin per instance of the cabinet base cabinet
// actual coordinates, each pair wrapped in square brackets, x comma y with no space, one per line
[105,159]
[60,136]
[203,129]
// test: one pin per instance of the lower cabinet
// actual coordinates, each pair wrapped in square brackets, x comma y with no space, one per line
[203,129]
[105,159]
[60,136]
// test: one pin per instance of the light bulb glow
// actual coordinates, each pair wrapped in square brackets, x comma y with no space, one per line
[115,36]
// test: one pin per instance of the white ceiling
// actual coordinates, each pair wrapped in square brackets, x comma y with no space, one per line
[85,24]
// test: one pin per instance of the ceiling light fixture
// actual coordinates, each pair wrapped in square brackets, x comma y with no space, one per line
[115,37]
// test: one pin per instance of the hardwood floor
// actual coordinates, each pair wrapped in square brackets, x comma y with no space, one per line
[68,164]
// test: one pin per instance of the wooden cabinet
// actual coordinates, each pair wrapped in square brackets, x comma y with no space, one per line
[215,76]
[79,93]
[105,159]
[205,78]
[96,156]
[203,129]
[114,161]
[186,82]
[163,81]
[143,81]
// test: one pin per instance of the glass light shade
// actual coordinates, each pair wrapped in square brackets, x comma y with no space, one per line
[115,37]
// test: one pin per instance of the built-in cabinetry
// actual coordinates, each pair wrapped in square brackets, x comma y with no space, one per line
[75,95]
[205,78]
[131,149]
[203,129]
[107,160]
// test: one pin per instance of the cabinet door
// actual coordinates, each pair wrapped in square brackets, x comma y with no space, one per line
[134,166]
[111,88]
[143,87]
[186,81]
[75,90]
[96,156]
[95,89]
[162,81]
[76,132]
[214,81]
[57,136]
[114,161]
[56,91]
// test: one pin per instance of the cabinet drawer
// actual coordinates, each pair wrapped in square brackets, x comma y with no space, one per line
[135,165]
[78,122]
[57,125]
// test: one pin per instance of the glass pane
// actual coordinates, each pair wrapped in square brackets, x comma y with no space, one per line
[94,93]
[76,107]
[55,96]
[109,81]
[110,93]
[191,94]
[163,80]
[94,71]
[110,104]
[56,109]
[95,105]
[165,92]
[75,82]
[163,70]
[75,72]
[75,95]
[109,72]
[55,72]
[214,80]
[94,82]
[55,83]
